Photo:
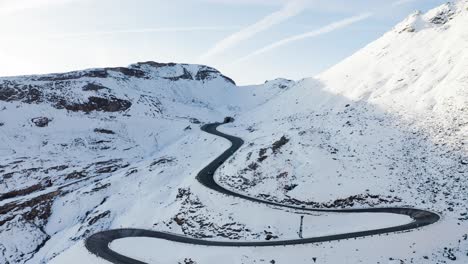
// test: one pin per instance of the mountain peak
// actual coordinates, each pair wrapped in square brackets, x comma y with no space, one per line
[177,71]
[436,17]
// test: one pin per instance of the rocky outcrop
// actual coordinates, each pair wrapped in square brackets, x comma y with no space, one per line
[111,104]
[94,87]
[41,121]
[32,94]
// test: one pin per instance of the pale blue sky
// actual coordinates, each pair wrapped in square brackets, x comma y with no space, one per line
[248,40]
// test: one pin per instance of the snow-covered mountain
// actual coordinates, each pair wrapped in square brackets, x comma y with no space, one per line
[120,147]
[406,90]
[386,127]
[63,132]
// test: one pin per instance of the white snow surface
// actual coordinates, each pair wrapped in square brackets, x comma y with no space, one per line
[386,127]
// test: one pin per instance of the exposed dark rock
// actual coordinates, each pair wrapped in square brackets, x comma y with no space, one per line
[442,17]
[37,209]
[128,72]
[278,144]
[253,166]
[76,175]
[282,175]
[104,131]
[200,225]
[41,121]
[108,169]
[155,64]
[10,91]
[185,76]
[163,160]
[448,253]
[207,73]
[203,74]
[179,220]
[269,235]
[351,201]
[409,29]
[25,191]
[56,168]
[25,172]
[290,187]
[228,119]
[188,261]
[98,217]
[251,129]
[94,87]
[194,121]
[280,83]
[97,73]
[101,187]
[111,104]
[262,155]
[183,192]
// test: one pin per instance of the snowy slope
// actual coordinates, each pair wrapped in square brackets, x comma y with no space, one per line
[62,132]
[386,127]
[397,88]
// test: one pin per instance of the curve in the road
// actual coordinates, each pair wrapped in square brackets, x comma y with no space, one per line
[98,243]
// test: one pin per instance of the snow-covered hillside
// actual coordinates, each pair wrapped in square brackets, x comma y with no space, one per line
[113,148]
[386,127]
[407,89]
[62,132]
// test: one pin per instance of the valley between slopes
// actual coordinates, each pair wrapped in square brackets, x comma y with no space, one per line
[99,243]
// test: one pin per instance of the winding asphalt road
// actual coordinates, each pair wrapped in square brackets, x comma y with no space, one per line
[98,243]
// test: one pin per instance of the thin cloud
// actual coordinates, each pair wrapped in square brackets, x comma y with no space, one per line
[326,29]
[291,9]
[144,30]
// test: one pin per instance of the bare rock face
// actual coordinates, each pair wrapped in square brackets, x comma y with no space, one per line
[41,121]
[208,73]
[443,14]
[11,91]
[111,104]
[94,87]
[104,131]
[228,119]
[33,94]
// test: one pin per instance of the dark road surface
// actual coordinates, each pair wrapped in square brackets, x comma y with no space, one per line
[98,243]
